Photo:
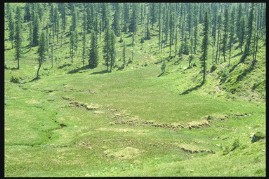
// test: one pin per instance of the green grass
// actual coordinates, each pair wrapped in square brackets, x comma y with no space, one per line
[46,136]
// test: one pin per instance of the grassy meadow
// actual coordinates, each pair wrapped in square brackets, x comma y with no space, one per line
[76,121]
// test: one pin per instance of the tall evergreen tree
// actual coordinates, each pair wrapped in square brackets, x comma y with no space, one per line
[125,17]
[249,32]
[27,12]
[204,47]
[231,34]
[35,30]
[93,55]
[11,29]
[225,36]
[18,36]
[41,53]
[133,22]
[116,23]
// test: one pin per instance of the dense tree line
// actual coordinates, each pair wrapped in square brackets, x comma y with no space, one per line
[187,29]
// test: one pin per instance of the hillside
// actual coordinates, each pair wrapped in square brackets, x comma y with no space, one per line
[136,120]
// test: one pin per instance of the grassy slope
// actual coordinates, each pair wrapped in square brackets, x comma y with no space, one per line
[91,144]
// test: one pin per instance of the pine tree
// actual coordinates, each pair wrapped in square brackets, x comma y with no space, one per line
[225,36]
[18,36]
[249,32]
[11,28]
[125,17]
[231,35]
[30,34]
[52,54]
[116,23]
[239,24]
[27,12]
[133,22]
[219,20]
[41,53]
[204,47]
[242,33]
[73,44]
[113,50]
[195,34]
[35,30]
[93,55]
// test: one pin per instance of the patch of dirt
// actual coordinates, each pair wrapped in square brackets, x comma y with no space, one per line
[198,124]
[123,130]
[91,107]
[98,112]
[173,126]
[192,149]
[123,154]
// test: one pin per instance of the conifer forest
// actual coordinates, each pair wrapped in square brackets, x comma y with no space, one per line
[134,89]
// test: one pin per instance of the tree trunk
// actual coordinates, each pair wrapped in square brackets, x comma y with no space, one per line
[37,73]
[18,63]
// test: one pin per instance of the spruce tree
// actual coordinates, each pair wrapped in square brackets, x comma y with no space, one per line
[27,12]
[41,53]
[249,32]
[18,36]
[93,54]
[116,23]
[133,21]
[35,30]
[11,29]
[112,50]
[204,47]
[231,34]
[106,48]
[225,36]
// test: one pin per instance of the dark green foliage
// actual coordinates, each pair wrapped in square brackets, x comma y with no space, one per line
[225,36]
[11,28]
[126,17]
[204,46]
[27,12]
[41,53]
[109,53]
[249,32]
[18,36]
[73,44]
[35,30]
[61,7]
[116,24]
[14,79]
[93,55]
[133,21]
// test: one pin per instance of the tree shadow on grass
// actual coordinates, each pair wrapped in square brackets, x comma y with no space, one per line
[246,71]
[193,88]
[232,69]
[34,79]
[242,59]
[99,72]
[160,74]
[63,66]
[240,53]
[78,69]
